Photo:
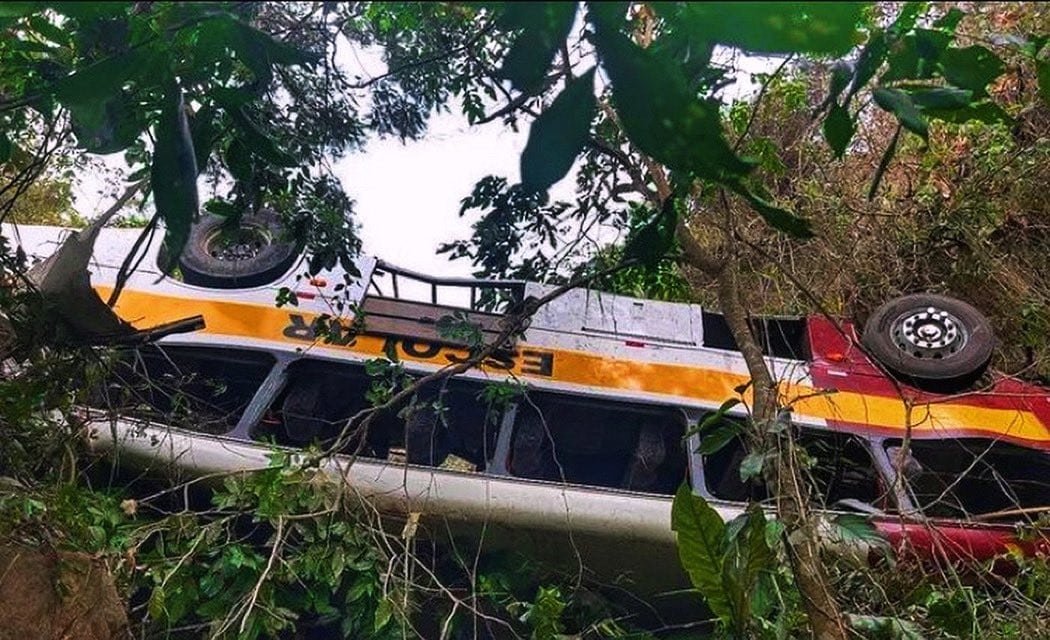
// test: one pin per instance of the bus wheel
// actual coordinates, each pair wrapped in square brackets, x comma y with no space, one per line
[251,255]
[930,340]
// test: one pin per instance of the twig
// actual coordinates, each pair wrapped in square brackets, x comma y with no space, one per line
[422,62]
[758,102]
[126,268]
[262,577]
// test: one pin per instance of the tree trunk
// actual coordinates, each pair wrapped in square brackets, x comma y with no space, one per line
[783,477]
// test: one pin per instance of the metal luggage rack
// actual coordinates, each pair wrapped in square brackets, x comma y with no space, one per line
[489,296]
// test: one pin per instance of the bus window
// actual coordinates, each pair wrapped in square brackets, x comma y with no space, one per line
[321,396]
[971,476]
[838,467]
[599,444]
[200,388]
[318,399]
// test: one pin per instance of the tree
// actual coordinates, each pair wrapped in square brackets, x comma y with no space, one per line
[247,95]
[657,131]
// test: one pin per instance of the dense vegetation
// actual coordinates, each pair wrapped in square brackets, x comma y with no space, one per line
[895,147]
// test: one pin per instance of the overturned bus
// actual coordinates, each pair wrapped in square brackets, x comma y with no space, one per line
[575,433]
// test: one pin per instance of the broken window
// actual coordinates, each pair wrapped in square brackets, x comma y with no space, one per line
[971,476]
[781,337]
[200,388]
[840,468]
[320,397]
[838,465]
[600,444]
[315,403]
[722,474]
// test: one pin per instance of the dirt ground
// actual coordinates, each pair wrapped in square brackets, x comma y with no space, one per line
[52,595]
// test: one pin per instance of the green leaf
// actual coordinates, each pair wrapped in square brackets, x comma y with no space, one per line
[89,10]
[260,52]
[841,74]
[384,612]
[655,239]
[701,547]
[19,9]
[559,134]
[774,532]
[239,160]
[906,19]
[854,527]
[259,43]
[886,627]
[715,419]
[900,105]
[950,20]
[258,142]
[660,114]
[916,56]
[1043,72]
[985,111]
[204,131]
[714,440]
[99,80]
[49,30]
[107,125]
[869,61]
[972,68]
[735,526]
[941,98]
[222,208]
[748,559]
[777,27]
[5,148]
[544,27]
[156,604]
[751,466]
[838,129]
[952,611]
[174,176]
[776,217]
[1034,44]
[884,163]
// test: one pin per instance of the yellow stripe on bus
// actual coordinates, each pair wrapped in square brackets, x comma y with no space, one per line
[581,368]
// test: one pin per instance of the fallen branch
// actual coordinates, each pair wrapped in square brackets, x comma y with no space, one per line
[146,336]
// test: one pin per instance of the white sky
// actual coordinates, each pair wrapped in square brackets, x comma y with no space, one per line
[408,195]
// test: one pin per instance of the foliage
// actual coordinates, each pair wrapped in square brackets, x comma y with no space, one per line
[518,598]
[247,94]
[42,377]
[919,70]
[302,557]
[926,159]
[67,516]
[733,565]
[905,601]
[961,216]
[45,202]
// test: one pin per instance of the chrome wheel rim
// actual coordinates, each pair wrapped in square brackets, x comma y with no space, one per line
[932,333]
